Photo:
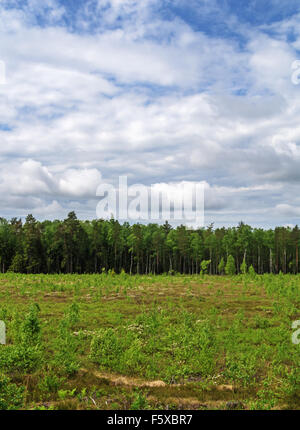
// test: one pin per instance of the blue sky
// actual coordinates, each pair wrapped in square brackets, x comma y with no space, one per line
[161,91]
[201,15]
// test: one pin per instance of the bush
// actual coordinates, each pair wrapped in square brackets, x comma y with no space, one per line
[252,272]
[26,354]
[204,266]
[221,266]
[243,267]
[230,266]
[119,351]
[72,315]
[154,348]
[20,358]
[66,344]
[31,329]
[11,396]
[50,384]
[139,403]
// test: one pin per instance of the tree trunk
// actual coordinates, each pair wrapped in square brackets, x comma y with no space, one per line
[131,263]
[170,266]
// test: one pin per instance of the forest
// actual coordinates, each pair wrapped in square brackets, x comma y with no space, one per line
[75,246]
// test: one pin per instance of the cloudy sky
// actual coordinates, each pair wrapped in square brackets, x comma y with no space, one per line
[162,91]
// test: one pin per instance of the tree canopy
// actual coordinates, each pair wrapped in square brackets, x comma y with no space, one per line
[75,246]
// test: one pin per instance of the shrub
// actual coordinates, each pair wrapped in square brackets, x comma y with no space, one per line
[230,266]
[20,358]
[251,272]
[66,344]
[243,267]
[221,266]
[72,315]
[140,402]
[31,329]
[51,383]
[11,396]
[25,354]
[119,351]
[204,266]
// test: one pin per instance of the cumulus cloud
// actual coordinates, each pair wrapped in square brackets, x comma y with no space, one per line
[121,89]
[32,178]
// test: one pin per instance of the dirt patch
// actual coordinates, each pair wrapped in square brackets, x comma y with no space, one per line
[139,382]
[189,403]
[126,380]
[225,388]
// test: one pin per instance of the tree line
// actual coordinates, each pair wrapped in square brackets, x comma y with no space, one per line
[75,246]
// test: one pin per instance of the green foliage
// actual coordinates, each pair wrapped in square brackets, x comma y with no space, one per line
[241,368]
[26,354]
[64,394]
[147,345]
[221,266]
[66,344]
[20,358]
[204,265]
[30,328]
[50,383]
[99,246]
[196,335]
[243,267]
[121,352]
[230,266]
[251,272]
[18,264]
[11,396]
[72,315]
[139,402]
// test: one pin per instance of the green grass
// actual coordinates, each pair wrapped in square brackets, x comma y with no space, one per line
[143,342]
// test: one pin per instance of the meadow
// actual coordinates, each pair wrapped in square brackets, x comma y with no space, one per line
[149,342]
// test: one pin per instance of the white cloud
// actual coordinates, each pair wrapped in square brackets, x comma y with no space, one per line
[149,98]
[81,183]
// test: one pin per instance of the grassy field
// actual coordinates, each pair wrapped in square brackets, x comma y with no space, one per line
[149,342]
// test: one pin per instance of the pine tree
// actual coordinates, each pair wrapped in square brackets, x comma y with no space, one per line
[221,266]
[243,267]
[230,266]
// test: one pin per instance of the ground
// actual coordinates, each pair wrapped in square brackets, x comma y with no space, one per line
[149,342]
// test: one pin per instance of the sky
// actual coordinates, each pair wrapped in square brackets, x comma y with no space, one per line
[160,91]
